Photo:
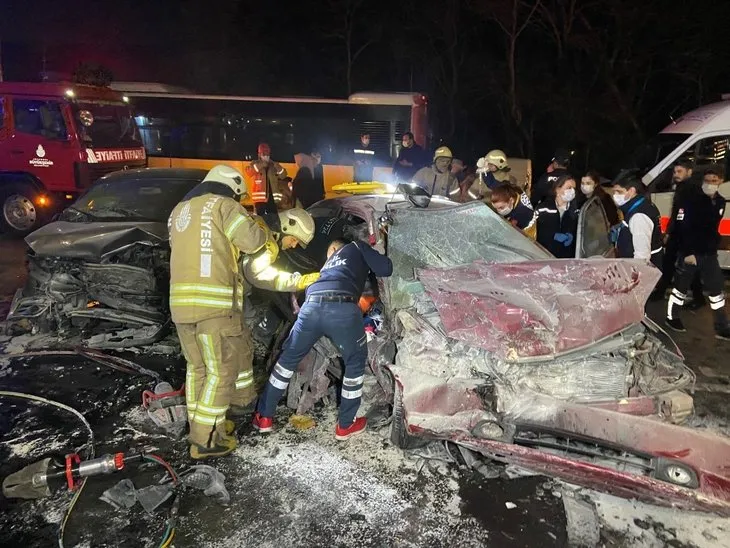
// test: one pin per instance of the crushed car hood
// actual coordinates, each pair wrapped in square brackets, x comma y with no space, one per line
[537,309]
[93,241]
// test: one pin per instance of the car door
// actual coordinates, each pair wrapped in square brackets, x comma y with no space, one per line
[592,237]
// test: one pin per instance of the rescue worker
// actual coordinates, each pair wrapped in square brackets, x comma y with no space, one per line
[297,229]
[437,179]
[590,186]
[557,219]
[506,201]
[697,226]
[364,156]
[639,235]
[209,228]
[267,177]
[410,159]
[682,181]
[558,168]
[331,309]
[493,170]
[307,190]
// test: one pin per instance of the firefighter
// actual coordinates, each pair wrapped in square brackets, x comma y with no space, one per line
[697,225]
[297,228]
[363,164]
[639,235]
[209,228]
[558,168]
[331,309]
[268,185]
[438,180]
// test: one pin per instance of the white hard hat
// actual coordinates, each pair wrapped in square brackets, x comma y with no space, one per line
[298,223]
[497,157]
[442,152]
[228,176]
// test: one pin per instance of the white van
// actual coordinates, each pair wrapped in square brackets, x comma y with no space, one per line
[702,137]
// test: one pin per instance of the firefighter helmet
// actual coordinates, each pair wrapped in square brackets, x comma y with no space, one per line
[442,152]
[264,149]
[497,157]
[298,223]
[228,176]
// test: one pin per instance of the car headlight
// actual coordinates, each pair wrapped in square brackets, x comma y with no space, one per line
[676,473]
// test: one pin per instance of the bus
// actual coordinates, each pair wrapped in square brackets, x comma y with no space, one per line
[200,131]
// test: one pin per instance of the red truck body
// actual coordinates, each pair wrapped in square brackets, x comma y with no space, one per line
[56,139]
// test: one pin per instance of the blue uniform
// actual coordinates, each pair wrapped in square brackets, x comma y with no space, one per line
[331,310]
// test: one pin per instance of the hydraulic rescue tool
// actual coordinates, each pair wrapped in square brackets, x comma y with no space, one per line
[41,478]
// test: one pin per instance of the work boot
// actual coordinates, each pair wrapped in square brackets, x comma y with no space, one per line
[357,427]
[676,325]
[223,446]
[229,426]
[240,411]
[262,424]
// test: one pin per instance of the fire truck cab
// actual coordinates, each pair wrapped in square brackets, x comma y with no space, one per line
[55,140]
[702,137]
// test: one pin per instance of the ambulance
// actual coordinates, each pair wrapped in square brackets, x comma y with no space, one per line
[701,137]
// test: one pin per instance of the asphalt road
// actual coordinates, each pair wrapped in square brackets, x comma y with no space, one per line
[301,488]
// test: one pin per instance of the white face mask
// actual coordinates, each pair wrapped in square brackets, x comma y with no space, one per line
[505,211]
[710,190]
[620,199]
[587,188]
[568,195]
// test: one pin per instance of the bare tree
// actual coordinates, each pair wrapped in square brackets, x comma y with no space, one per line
[349,16]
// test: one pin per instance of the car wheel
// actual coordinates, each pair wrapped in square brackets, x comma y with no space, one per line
[18,216]
[399,435]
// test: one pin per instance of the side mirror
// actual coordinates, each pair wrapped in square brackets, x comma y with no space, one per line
[416,195]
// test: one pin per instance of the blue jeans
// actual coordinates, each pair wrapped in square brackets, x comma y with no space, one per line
[343,324]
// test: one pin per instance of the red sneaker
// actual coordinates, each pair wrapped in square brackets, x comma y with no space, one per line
[357,427]
[262,424]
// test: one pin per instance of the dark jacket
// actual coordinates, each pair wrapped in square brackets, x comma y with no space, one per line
[640,205]
[542,189]
[346,271]
[555,233]
[416,156]
[521,216]
[306,188]
[363,163]
[697,222]
[693,183]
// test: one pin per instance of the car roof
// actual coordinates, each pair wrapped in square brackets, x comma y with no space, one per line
[156,173]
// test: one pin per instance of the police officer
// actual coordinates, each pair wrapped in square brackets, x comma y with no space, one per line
[697,222]
[639,234]
[331,309]
[558,168]
[363,164]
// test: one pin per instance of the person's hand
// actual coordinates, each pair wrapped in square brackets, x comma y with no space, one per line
[690,259]
[565,238]
[306,280]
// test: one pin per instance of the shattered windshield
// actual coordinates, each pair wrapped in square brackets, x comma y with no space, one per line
[147,199]
[422,238]
[111,125]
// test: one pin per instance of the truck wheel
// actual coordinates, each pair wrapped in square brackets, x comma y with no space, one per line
[18,213]
[399,435]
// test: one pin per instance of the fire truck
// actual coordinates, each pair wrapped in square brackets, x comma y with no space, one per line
[55,140]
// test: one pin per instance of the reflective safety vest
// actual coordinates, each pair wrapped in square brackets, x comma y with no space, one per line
[207,235]
[264,180]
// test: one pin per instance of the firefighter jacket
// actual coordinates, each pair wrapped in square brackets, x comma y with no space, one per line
[264,181]
[272,278]
[207,235]
[436,183]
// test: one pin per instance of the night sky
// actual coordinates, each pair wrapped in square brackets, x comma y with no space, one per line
[599,77]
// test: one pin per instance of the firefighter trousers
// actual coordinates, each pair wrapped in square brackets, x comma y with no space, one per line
[219,355]
[712,278]
[341,322]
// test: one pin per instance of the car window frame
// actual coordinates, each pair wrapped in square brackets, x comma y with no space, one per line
[581,232]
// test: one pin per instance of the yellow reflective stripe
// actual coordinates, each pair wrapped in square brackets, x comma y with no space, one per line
[244,379]
[200,301]
[211,365]
[205,420]
[201,288]
[243,384]
[212,411]
[244,375]
[235,224]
